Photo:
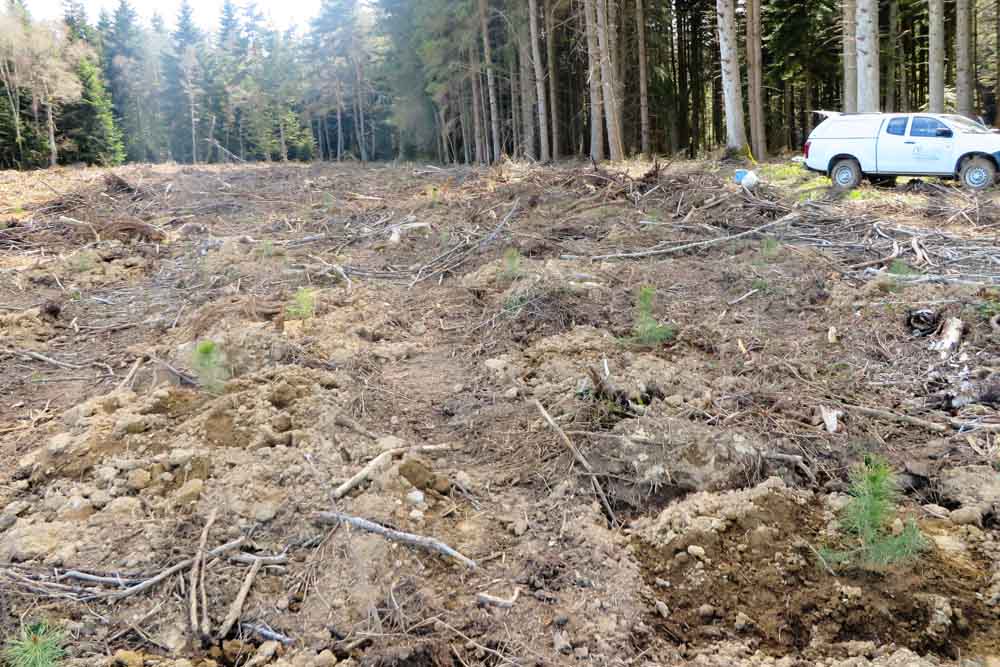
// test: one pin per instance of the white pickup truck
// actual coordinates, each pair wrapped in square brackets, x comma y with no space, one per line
[850,146]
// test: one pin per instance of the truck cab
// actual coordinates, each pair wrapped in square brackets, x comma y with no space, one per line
[850,147]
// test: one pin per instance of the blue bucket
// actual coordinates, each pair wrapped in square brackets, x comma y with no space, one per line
[739,174]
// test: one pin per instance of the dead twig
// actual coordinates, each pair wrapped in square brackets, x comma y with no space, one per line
[598,489]
[198,576]
[428,543]
[486,598]
[378,463]
[236,609]
[170,571]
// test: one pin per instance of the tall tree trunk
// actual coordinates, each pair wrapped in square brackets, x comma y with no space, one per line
[53,149]
[463,118]
[903,96]
[515,104]
[477,120]
[491,81]
[736,138]
[550,49]
[611,118]
[594,76]
[935,56]
[340,122]
[194,128]
[892,48]
[868,56]
[528,89]
[359,101]
[543,107]
[617,63]
[640,29]
[755,62]
[963,48]
[281,139]
[996,89]
[850,56]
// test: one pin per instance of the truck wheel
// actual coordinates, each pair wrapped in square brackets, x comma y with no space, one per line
[846,174]
[977,173]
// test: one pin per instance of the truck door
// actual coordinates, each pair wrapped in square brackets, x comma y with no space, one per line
[895,149]
[933,147]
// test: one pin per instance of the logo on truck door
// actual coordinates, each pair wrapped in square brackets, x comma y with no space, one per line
[929,143]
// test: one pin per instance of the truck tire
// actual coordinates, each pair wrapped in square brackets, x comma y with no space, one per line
[977,173]
[846,174]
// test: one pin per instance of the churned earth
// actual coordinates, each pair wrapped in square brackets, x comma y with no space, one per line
[628,398]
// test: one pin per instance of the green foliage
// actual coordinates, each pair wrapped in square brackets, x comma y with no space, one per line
[208,363]
[900,268]
[646,330]
[770,248]
[867,517]
[511,264]
[82,261]
[92,135]
[37,645]
[303,306]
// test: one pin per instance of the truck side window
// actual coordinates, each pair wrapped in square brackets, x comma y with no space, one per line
[926,127]
[897,126]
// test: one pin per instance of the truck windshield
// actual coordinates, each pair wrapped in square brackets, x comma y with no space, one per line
[963,124]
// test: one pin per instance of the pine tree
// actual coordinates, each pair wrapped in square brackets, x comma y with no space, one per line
[182,70]
[90,124]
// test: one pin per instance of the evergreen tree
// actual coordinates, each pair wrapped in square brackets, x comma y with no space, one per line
[182,71]
[90,126]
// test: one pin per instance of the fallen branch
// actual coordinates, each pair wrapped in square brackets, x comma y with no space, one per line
[347,422]
[41,357]
[198,576]
[429,543]
[898,418]
[236,609]
[598,489]
[877,262]
[170,571]
[486,598]
[785,219]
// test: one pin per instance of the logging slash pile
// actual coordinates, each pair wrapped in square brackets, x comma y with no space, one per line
[410,416]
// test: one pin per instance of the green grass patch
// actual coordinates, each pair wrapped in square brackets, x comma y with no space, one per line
[303,306]
[900,268]
[511,264]
[37,645]
[867,519]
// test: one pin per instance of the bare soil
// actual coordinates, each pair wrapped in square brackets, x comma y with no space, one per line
[361,309]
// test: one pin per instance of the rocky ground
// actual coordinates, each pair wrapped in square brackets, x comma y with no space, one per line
[198,363]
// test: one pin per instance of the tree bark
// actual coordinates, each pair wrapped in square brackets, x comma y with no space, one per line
[617,63]
[996,89]
[611,118]
[491,81]
[640,29]
[515,102]
[553,98]
[736,138]
[892,48]
[850,56]
[755,89]
[463,118]
[963,48]
[477,118]
[340,123]
[594,76]
[359,100]
[935,55]
[541,93]
[527,97]
[53,149]
[868,56]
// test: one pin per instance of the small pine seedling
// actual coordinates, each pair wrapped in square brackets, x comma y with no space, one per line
[646,331]
[874,496]
[208,365]
[303,306]
[511,263]
[38,645]
[900,268]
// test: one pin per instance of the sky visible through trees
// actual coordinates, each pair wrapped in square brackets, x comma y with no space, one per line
[470,80]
